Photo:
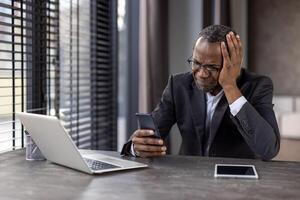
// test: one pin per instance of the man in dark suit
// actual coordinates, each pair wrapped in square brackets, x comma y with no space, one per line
[220,109]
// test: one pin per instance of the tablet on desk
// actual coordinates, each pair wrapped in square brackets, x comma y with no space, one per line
[235,171]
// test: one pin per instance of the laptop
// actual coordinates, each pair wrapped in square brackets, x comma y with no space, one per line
[58,147]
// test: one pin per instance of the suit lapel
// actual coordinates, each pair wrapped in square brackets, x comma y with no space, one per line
[217,118]
[198,111]
[220,111]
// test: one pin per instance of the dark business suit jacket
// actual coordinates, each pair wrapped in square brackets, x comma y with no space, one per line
[252,133]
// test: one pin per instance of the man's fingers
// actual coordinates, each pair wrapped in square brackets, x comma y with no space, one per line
[235,42]
[145,154]
[144,151]
[230,46]
[143,133]
[149,140]
[225,53]
[146,146]
[240,47]
[149,148]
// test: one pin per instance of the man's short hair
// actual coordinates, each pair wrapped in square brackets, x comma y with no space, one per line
[216,33]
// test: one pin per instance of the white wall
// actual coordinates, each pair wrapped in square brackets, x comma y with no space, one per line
[185,23]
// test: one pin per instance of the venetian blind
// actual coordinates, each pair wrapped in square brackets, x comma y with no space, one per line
[28,60]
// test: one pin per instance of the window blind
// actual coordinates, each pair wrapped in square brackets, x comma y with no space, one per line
[104,74]
[28,54]
[59,58]
[88,72]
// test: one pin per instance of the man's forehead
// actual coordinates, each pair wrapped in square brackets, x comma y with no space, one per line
[206,48]
[203,41]
[200,39]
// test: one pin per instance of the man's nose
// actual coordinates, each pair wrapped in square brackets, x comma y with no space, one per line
[201,73]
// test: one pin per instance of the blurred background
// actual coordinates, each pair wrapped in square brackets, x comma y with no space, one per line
[95,63]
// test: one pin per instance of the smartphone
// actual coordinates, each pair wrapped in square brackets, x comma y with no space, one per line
[235,171]
[146,121]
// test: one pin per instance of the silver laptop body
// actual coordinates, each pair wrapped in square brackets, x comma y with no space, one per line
[58,147]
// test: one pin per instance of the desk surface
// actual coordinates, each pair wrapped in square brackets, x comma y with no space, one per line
[170,177]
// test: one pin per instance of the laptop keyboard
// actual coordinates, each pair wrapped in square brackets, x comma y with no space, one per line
[98,165]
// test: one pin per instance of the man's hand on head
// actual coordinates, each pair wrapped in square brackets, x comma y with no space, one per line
[232,60]
[231,69]
[145,145]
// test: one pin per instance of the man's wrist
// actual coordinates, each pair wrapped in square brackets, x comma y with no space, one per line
[132,151]
[229,86]
[232,93]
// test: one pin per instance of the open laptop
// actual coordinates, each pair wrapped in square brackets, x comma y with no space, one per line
[58,147]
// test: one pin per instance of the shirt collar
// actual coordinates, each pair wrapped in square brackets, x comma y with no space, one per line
[211,97]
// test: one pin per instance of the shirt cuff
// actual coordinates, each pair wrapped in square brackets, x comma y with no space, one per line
[132,150]
[237,105]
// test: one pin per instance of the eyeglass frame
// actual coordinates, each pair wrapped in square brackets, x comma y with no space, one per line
[208,68]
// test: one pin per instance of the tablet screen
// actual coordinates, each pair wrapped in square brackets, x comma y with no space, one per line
[238,171]
[235,170]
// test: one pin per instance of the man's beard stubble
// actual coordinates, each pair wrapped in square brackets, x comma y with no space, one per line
[214,89]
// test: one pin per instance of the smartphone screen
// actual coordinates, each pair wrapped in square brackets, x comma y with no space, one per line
[146,121]
[239,171]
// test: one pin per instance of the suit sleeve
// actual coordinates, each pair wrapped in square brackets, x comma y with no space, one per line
[163,114]
[257,123]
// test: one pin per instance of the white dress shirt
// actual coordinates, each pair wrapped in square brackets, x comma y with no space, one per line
[211,104]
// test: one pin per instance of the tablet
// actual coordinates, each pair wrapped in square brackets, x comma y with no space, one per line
[235,171]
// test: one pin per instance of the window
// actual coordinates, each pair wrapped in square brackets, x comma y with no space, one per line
[28,46]
[88,91]
[59,58]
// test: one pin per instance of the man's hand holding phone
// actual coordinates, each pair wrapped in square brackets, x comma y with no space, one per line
[146,145]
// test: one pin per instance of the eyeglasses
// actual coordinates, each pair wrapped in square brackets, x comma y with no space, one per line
[208,68]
